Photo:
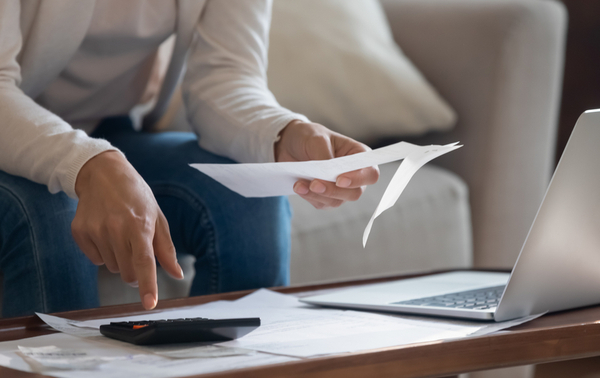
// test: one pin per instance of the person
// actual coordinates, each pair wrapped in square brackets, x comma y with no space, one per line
[77,174]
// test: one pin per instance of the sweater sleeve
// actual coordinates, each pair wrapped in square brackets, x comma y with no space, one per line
[225,88]
[35,143]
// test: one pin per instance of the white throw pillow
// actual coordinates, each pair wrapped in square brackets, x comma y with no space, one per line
[336,62]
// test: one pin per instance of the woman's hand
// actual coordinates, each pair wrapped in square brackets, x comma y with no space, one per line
[118,223]
[301,141]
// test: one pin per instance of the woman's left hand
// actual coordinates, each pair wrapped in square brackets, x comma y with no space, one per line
[301,141]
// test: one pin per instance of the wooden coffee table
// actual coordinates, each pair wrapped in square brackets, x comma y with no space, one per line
[555,337]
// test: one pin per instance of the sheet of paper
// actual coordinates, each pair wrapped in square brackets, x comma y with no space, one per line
[68,326]
[277,179]
[54,357]
[62,355]
[202,351]
[292,328]
[289,330]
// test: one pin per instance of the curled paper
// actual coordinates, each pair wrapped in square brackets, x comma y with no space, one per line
[277,179]
[407,169]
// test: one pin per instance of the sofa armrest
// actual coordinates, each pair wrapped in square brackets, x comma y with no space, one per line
[499,64]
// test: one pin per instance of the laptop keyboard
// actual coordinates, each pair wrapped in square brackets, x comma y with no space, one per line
[480,299]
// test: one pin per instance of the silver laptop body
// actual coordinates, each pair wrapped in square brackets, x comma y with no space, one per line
[558,267]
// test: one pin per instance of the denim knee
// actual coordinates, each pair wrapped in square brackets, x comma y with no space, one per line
[274,231]
[253,249]
[43,269]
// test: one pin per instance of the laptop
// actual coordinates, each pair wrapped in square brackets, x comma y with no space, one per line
[558,267]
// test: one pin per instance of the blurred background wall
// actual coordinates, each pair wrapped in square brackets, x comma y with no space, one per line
[581,85]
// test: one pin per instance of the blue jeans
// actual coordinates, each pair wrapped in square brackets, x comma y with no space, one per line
[239,243]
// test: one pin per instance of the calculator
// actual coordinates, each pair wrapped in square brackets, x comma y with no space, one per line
[172,331]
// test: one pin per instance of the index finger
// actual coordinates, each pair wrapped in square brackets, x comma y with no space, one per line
[144,265]
[358,178]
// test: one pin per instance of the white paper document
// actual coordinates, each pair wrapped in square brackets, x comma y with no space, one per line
[67,356]
[290,330]
[201,351]
[277,179]
[52,356]
[68,326]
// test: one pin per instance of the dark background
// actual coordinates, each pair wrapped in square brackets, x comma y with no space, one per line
[581,87]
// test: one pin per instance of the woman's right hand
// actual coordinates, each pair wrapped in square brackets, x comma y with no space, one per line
[119,223]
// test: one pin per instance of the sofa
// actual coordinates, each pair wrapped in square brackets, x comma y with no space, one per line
[499,64]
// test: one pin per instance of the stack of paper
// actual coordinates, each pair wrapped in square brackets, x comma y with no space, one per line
[290,331]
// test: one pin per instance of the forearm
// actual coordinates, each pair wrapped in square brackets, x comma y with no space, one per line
[40,146]
[241,123]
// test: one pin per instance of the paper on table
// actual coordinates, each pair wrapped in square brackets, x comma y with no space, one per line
[294,329]
[277,179]
[52,356]
[68,326]
[119,360]
[202,351]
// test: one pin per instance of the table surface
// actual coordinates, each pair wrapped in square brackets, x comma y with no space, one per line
[553,337]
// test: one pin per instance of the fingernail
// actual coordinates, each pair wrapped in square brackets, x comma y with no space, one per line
[180,272]
[317,187]
[149,301]
[300,188]
[133,284]
[343,182]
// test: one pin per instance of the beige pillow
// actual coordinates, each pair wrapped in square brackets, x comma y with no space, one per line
[336,62]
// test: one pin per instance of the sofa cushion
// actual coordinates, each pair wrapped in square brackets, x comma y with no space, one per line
[336,62]
[428,228]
